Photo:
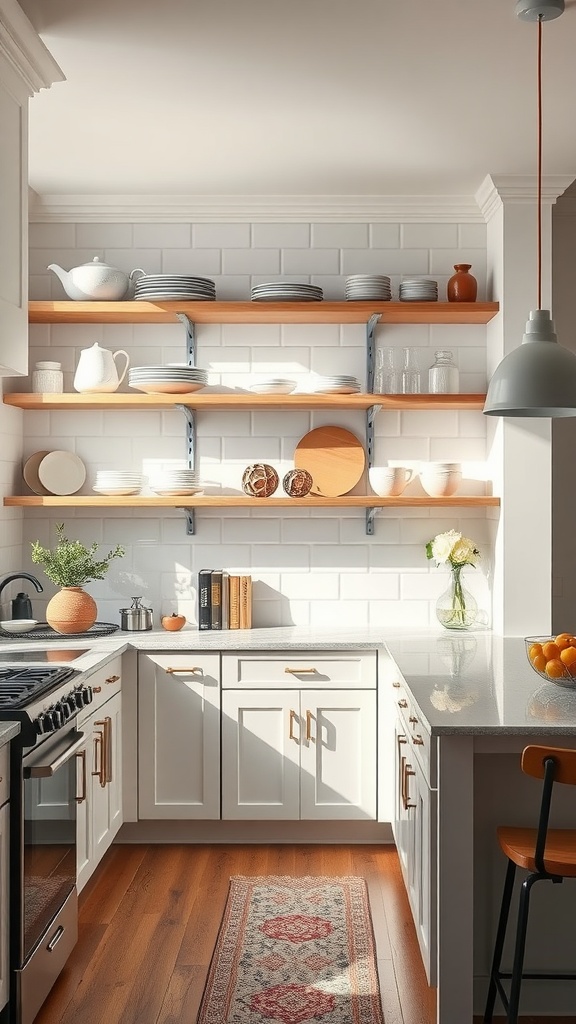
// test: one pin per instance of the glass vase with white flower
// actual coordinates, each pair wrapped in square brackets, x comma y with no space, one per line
[456,608]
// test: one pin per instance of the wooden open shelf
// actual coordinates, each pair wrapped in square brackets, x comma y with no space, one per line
[242,501]
[200,401]
[261,312]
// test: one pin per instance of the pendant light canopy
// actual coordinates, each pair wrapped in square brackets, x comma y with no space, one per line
[538,378]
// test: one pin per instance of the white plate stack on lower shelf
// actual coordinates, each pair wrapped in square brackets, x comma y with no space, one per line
[175,481]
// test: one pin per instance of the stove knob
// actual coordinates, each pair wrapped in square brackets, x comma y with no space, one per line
[76,696]
[87,694]
[63,710]
[43,724]
[56,716]
[70,701]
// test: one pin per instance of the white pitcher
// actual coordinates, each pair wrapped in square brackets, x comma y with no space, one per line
[97,370]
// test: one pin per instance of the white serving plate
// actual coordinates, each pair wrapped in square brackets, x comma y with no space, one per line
[62,472]
[167,387]
[30,473]
[116,490]
[167,491]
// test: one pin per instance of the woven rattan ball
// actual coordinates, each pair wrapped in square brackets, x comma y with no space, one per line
[259,480]
[297,483]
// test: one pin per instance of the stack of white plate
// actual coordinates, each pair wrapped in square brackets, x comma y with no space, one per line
[280,291]
[418,289]
[175,481]
[368,286]
[338,384]
[167,380]
[117,481]
[273,386]
[164,287]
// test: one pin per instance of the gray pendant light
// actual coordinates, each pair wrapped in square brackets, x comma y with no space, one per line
[539,377]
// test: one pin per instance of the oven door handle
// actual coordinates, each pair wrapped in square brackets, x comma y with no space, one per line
[44,771]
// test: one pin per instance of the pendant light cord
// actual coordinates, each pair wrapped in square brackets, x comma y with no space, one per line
[539,166]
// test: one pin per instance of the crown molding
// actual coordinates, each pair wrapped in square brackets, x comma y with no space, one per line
[497,189]
[228,209]
[25,51]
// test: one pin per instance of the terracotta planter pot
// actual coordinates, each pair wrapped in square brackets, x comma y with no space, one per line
[71,610]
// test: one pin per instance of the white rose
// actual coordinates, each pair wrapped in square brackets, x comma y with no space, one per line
[443,544]
[464,550]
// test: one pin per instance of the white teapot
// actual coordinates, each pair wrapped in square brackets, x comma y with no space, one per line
[97,370]
[93,281]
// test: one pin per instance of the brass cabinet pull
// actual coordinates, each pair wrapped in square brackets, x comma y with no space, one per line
[96,689]
[405,786]
[309,718]
[172,671]
[293,716]
[112,679]
[396,685]
[412,718]
[403,703]
[418,740]
[81,756]
[300,671]
[98,750]
[106,760]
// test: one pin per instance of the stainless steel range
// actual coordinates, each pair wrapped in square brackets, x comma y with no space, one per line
[45,699]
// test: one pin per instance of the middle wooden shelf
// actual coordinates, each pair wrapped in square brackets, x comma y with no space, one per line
[198,400]
[243,501]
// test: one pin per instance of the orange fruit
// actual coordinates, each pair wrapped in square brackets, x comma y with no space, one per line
[563,636]
[539,662]
[554,668]
[534,650]
[550,651]
[568,658]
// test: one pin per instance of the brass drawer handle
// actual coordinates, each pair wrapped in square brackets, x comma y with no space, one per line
[309,717]
[403,703]
[293,716]
[113,679]
[418,740]
[396,685]
[195,668]
[99,749]
[300,671]
[81,755]
[412,718]
[406,787]
[96,689]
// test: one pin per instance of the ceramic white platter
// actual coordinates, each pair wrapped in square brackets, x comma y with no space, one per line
[62,472]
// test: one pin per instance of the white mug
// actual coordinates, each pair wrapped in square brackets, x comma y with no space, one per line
[389,481]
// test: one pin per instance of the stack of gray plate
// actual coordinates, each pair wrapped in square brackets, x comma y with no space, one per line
[167,380]
[368,286]
[280,291]
[418,289]
[336,384]
[164,287]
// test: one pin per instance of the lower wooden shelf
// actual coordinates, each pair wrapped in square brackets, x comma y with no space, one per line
[242,501]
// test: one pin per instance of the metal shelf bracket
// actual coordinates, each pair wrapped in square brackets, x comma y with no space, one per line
[189,512]
[190,338]
[190,455]
[370,514]
[372,410]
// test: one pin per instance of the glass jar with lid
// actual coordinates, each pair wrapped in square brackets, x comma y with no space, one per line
[48,378]
[443,375]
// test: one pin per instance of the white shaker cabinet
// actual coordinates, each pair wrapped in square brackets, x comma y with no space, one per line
[179,735]
[26,66]
[99,771]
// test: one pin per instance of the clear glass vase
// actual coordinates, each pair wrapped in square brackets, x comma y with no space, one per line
[456,608]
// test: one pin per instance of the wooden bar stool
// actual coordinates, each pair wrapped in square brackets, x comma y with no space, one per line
[547,854]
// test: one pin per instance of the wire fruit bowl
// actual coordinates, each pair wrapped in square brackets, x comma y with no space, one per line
[553,658]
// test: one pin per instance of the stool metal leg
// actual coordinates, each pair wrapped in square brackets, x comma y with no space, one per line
[499,943]
[520,946]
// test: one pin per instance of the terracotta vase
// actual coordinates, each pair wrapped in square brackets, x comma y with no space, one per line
[71,610]
[462,286]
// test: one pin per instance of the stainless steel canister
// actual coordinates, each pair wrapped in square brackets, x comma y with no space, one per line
[136,618]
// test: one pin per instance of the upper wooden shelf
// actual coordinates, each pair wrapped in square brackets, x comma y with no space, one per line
[262,312]
[199,401]
[242,501]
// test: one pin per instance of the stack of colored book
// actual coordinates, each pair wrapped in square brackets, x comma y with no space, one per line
[224,600]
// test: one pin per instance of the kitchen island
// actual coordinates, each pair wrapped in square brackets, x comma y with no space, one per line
[476,703]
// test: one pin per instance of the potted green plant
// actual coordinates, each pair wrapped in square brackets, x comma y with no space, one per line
[70,565]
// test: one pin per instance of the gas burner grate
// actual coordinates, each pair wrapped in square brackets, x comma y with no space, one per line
[19,686]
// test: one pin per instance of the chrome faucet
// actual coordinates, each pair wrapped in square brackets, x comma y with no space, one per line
[19,576]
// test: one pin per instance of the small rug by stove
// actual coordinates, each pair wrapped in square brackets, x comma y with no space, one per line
[293,951]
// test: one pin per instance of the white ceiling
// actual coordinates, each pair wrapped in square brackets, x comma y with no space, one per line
[310,97]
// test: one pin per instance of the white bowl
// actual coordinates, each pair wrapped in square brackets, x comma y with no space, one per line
[440,483]
[18,625]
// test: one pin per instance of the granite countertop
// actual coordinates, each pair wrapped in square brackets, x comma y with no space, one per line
[473,682]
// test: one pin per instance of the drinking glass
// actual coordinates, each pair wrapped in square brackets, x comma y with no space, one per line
[388,378]
[411,372]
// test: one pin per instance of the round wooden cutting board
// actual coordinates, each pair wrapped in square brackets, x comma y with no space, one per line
[334,457]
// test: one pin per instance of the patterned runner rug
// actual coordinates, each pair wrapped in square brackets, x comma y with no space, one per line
[294,950]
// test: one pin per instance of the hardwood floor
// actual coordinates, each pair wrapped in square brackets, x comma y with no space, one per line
[150,916]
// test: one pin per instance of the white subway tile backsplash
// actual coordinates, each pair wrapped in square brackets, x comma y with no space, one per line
[310,566]
[283,236]
[221,236]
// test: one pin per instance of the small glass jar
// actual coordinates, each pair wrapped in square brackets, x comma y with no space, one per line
[443,375]
[411,372]
[48,378]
